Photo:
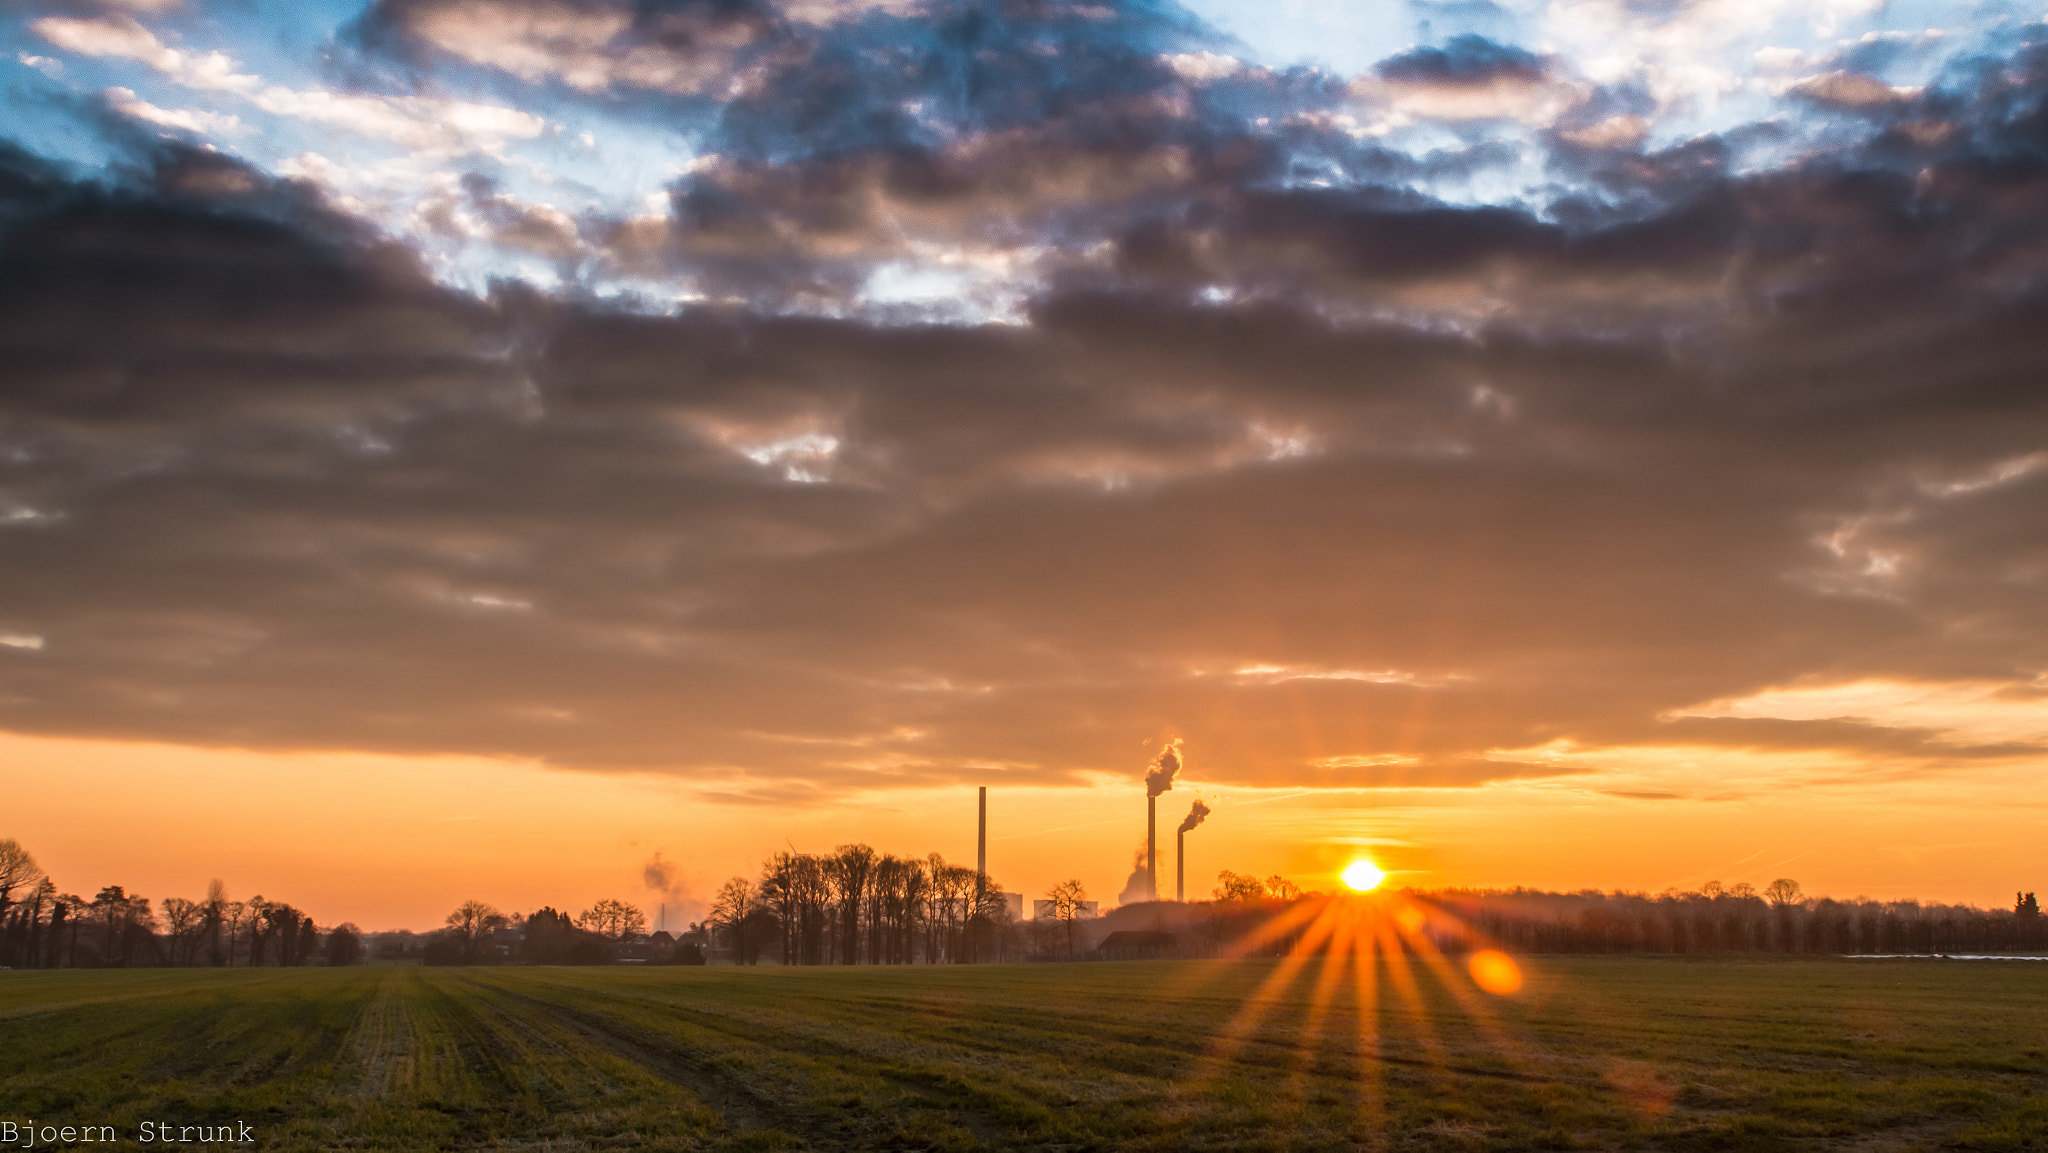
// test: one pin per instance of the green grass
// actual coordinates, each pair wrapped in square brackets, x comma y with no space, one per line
[1593,1054]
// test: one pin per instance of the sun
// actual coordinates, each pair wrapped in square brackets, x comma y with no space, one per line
[1363,876]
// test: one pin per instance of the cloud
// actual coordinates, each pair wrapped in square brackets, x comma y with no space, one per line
[1963,712]
[186,120]
[124,37]
[420,123]
[1344,481]
[590,47]
[423,124]
[1854,90]
[1467,61]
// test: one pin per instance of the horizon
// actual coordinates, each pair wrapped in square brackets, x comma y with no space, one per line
[540,451]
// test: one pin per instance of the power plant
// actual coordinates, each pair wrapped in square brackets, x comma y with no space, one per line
[1158,779]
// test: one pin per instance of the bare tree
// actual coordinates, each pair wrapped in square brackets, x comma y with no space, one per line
[614,919]
[1066,898]
[731,909]
[237,917]
[37,947]
[470,924]
[777,891]
[950,893]
[849,868]
[214,917]
[1238,887]
[110,909]
[17,871]
[811,896]
[185,922]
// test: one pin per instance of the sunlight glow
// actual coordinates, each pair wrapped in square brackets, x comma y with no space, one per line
[1364,876]
[1495,972]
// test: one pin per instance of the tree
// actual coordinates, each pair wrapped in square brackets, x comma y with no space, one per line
[119,916]
[849,869]
[1066,898]
[730,911]
[309,940]
[345,945]
[17,871]
[185,921]
[1281,889]
[615,920]
[988,920]
[290,931]
[215,919]
[550,935]
[2026,907]
[38,948]
[949,902]
[239,919]
[467,927]
[1782,892]
[1238,887]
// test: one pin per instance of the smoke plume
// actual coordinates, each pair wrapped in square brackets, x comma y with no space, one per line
[1195,816]
[1136,887]
[666,878]
[1165,766]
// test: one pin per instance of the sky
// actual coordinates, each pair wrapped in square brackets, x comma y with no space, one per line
[542,450]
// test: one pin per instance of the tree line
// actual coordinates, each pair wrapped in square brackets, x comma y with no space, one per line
[851,906]
[42,927]
[1717,918]
[854,906]
[476,933]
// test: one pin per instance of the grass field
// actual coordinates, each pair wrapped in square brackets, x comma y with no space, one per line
[1594,1053]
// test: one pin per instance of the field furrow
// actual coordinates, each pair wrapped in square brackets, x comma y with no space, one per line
[1608,1053]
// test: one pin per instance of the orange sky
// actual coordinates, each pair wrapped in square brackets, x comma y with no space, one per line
[396,841]
[1592,466]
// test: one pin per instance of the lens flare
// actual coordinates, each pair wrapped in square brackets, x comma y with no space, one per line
[1495,972]
[1364,876]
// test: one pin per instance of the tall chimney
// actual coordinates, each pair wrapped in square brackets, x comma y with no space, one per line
[1197,813]
[981,845]
[1152,847]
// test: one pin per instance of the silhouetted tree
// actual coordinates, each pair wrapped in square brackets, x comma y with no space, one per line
[183,922]
[1239,887]
[18,872]
[1066,898]
[549,937]
[345,945]
[614,920]
[848,870]
[732,912]
[466,929]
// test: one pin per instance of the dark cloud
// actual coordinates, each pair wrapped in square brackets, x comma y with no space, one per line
[1467,59]
[1343,484]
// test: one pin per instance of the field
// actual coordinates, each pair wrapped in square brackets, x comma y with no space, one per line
[1594,1053]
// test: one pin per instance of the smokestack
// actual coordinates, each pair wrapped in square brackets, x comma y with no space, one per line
[1196,816]
[981,845]
[1158,779]
[1151,848]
